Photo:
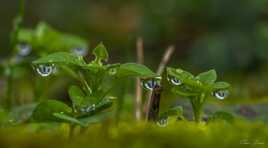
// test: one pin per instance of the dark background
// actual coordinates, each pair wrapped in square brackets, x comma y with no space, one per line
[230,36]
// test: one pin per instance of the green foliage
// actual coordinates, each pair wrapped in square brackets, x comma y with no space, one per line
[45,110]
[61,58]
[135,70]
[91,97]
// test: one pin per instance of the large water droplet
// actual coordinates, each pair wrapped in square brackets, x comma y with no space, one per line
[221,94]
[174,80]
[79,51]
[24,49]
[45,70]
[162,122]
[149,84]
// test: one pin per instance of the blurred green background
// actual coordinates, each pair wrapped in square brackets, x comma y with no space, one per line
[229,36]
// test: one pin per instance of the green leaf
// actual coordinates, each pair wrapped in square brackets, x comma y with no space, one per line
[135,70]
[61,58]
[77,96]
[180,74]
[100,53]
[96,118]
[221,116]
[68,118]
[220,85]
[101,106]
[25,36]
[44,110]
[208,77]
[174,111]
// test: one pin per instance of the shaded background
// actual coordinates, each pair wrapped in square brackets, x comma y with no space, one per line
[230,36]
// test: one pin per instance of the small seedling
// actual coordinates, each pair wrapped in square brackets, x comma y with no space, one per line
[91,96]
[196,88]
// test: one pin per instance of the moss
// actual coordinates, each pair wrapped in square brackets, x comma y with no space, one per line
[180,134]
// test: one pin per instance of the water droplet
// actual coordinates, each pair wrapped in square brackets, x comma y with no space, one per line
[79,51]
[88,109]
[45,70]
[221,94]
[174,80]
[162,122]
[112,71]
[149,84]
[24,49]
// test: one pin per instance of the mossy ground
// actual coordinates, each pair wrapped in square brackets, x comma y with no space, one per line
[178,134]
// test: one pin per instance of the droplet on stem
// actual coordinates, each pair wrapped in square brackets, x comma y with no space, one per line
[149,84]
[162,122]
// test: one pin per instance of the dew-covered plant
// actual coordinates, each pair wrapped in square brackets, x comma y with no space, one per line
[27,44]
[177,82]
[92,95]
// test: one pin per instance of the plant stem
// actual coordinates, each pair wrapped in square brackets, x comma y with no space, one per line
[197,105]
[138,100]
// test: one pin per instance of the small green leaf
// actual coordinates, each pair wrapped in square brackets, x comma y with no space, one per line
[221,116]
[61,58]
[100,53]
[77,96]
[44,110]
[208,77]
[221,85]
[69,119]
[174,111]
[135,70]
[179,73]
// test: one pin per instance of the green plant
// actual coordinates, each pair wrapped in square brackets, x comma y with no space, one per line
[196,88]
[92,95]
[27,44]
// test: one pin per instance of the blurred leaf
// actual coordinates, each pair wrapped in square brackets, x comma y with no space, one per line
[69,119]
[100,53]
[61,58]
[44,110]
[96,118]
[221,115]
[77,96]
[221,85]
[135,70]
[208,77]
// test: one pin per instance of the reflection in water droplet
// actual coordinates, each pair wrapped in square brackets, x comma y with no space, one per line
[112,71]
[221,94]
[162,122]
[45,70]
[79,51]
[24,49]
[174,80]
[149,84]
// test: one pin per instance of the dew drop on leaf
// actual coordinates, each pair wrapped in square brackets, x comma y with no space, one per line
[221,94]
[24,49]
[45,70]
[149,84]
[174,80]
[88,108]
[162,122]
[112,71]
[79,51]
